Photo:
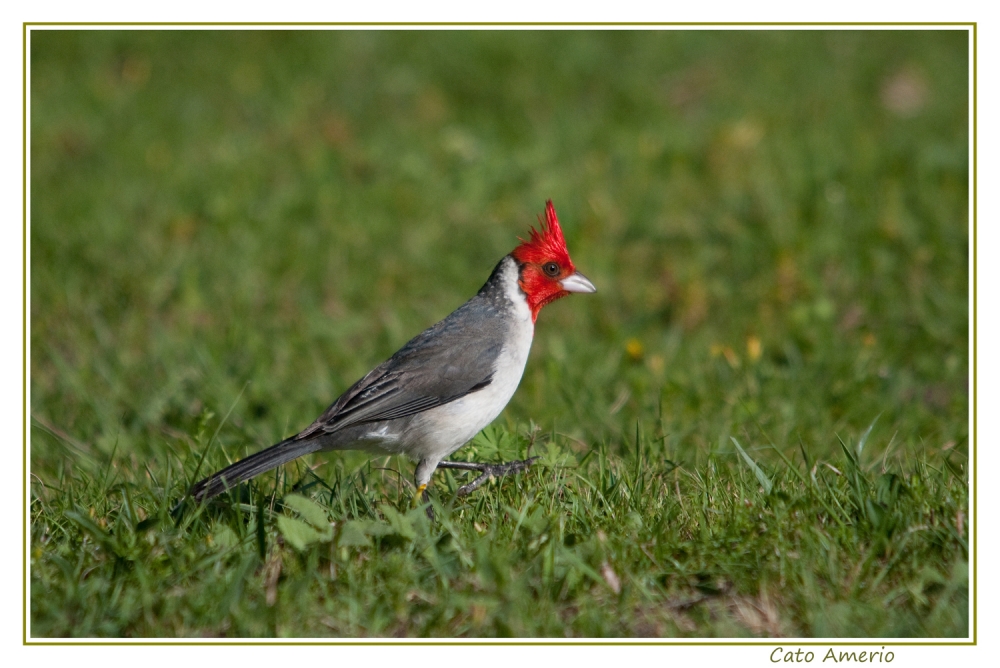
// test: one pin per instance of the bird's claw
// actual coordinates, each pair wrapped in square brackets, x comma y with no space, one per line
[487,471]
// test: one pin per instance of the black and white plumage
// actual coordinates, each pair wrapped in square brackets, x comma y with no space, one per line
[447,383]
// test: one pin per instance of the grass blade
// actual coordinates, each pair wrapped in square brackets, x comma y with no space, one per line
[762,478]
[864,436]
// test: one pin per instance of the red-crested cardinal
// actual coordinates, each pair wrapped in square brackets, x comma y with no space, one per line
[445,384]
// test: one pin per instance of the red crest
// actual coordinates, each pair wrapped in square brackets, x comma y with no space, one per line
[546,245]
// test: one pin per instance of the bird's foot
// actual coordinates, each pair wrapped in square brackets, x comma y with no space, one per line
[423,497]
[487,471]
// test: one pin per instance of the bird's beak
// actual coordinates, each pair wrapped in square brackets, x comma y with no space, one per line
[577,282]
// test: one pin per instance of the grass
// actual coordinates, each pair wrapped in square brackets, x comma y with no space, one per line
[757,427]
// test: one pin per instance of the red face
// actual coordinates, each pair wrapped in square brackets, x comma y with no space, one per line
[547,273]
[540,282]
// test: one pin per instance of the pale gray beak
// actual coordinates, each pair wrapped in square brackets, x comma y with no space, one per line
[577,282]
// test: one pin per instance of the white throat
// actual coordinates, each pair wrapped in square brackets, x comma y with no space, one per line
[509,277]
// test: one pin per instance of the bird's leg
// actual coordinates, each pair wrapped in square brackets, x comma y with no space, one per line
[487,471]
[422,478]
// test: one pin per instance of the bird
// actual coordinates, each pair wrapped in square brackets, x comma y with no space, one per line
[446,384]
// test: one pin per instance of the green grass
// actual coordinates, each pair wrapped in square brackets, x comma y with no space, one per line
[757,427]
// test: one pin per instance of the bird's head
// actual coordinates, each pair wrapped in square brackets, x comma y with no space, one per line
[546,271]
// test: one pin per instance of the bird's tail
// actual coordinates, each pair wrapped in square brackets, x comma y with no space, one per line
[255,464]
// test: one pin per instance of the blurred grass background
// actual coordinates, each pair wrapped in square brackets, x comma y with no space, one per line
[777,223]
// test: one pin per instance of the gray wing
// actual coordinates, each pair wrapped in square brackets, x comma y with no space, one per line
[441,364]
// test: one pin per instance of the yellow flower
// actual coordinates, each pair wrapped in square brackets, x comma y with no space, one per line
[634,350]
[753,348]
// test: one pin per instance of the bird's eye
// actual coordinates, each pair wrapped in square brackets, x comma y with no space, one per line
[551,269]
